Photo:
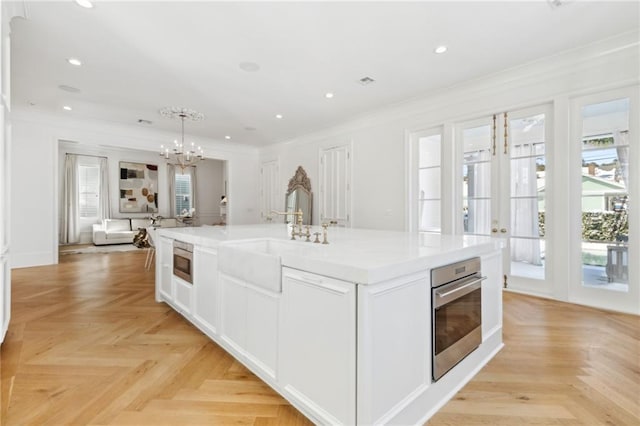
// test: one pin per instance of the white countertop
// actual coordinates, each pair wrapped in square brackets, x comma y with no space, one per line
[357,255]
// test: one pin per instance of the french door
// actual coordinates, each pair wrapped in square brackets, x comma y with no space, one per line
[503,191]
[604,192]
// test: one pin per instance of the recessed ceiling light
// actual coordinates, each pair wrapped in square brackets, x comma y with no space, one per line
[278,116]
[328,95]
[74,61]
[85,3]
[250,129]
[227,137]
[249,66]
[440,49]
[67,108]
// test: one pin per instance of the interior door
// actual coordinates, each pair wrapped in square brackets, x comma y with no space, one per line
[270,198]
[502,190]
[335,186]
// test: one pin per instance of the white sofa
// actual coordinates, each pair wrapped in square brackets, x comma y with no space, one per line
[122,231]
[117,231]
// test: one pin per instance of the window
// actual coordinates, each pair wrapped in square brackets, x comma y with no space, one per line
[89,190]
[183,194]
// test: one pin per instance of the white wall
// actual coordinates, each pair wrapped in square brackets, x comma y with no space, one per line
[380,139]
[35,175]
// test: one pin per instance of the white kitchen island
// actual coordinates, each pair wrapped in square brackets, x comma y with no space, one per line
[342,331]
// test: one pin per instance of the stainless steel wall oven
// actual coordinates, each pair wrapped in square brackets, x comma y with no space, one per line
[456,300]
[183,260]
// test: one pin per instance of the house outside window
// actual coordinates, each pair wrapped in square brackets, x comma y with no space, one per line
[183,194]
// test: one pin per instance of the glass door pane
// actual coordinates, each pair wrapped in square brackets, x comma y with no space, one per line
[429,173]
[605,195]
[476,180]
[527,196]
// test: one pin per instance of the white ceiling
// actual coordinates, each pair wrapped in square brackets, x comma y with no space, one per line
[141,56]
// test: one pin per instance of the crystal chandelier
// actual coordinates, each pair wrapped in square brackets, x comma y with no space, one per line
[181,154]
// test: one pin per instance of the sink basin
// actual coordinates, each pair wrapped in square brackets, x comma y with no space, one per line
[257,262]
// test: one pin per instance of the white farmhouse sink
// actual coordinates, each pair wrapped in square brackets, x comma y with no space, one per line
[257,262]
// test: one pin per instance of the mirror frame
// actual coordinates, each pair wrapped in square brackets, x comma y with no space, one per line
[300,182]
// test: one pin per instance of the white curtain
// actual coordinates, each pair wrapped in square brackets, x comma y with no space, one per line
[104,211]
[524,204]
[70,229]
[171,179]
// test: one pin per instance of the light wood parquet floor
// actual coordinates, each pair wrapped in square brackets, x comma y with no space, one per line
[88,344]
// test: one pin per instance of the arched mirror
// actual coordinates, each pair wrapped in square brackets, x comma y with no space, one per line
[299,196]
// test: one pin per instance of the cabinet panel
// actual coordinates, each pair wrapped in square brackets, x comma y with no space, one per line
[491,294]
[205,279]
[183,293]
[318,344]
[262,329]
[164,268]
[233,312]
[394,345]
[5,296]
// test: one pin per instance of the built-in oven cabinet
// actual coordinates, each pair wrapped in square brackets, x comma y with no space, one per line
[205,287]
[164,270]
[317,356]
[249,324]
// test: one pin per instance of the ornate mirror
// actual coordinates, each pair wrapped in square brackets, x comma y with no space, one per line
[299,196]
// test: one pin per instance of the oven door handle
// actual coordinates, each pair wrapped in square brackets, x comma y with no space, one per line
[457,289]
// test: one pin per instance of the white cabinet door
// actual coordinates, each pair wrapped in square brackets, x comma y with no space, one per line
[164,269]
[205,287]
[233,312]
[183,295]
[317,350]
[262,329]
[249,323]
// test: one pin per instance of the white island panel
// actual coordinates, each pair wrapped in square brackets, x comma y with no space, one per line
[394,344]
[346,338]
